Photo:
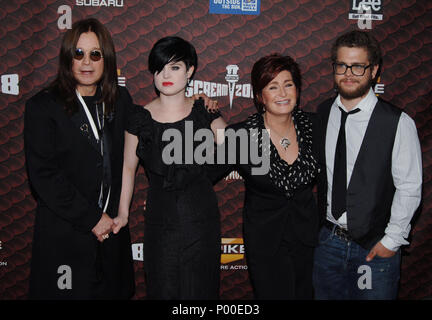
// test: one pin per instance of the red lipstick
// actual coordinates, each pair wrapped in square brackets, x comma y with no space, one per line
[166,84]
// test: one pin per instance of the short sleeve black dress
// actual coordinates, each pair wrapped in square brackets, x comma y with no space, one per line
[182,224]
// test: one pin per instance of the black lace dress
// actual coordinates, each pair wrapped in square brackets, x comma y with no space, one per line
[182,224]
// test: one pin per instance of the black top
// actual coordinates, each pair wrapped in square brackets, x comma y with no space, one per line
[151,145]
[65,169]
[289,177]
[182,231]
[281,201]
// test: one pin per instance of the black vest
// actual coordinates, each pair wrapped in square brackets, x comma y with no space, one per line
[371,189]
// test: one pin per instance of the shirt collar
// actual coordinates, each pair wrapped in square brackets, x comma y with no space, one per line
[367,104]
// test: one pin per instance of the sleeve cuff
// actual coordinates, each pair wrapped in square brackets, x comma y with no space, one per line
[86,224]
[390,244]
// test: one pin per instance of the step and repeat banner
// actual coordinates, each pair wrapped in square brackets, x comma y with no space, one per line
[229,36]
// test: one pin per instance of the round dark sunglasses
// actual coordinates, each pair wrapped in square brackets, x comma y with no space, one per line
[95,55]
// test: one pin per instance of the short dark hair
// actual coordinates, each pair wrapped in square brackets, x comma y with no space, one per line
[266,69]
[65,82]
[359,39]
[172,49]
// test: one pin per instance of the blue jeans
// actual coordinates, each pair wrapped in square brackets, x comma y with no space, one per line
[341,271]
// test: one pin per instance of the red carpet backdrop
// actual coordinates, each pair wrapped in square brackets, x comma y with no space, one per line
[229,39]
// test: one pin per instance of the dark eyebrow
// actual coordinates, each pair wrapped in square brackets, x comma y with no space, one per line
[353,64]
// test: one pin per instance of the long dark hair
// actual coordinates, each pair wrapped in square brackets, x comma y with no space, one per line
[65,83]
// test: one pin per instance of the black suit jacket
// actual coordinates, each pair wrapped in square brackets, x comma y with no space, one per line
[64,166]
[269,215]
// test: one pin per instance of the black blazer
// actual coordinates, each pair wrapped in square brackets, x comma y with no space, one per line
[268,214]
[65,170]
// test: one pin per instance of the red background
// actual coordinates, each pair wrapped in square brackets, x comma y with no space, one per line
[304,29]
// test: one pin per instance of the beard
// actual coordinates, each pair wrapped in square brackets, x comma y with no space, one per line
[360,91]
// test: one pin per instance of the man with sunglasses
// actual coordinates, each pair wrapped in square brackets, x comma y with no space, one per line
[74,137]
[370,185]
[94,55]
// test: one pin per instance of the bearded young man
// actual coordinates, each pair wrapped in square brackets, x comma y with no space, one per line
[371,185]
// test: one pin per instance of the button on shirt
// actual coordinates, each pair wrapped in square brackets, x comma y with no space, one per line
[406,166]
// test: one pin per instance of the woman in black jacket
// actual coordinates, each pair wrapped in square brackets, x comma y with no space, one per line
[74,136]
[273,154]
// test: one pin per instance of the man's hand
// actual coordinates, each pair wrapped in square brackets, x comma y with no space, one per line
[103,227]
[211,105]
[381,251]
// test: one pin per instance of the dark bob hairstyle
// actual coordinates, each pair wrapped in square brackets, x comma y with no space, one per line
[65,83]
[266,69]
[172,49]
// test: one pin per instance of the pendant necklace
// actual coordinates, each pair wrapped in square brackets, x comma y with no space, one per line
[284,141]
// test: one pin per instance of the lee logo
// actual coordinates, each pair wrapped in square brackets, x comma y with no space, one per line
[365,11]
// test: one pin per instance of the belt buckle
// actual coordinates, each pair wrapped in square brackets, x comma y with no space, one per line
[342,234]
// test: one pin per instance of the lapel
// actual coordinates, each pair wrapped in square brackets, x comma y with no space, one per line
[79,119]
[324,113]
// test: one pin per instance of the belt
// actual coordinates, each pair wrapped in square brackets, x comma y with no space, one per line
[340,232]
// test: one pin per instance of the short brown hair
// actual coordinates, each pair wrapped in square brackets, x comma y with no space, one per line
[266,69]
[359,39]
